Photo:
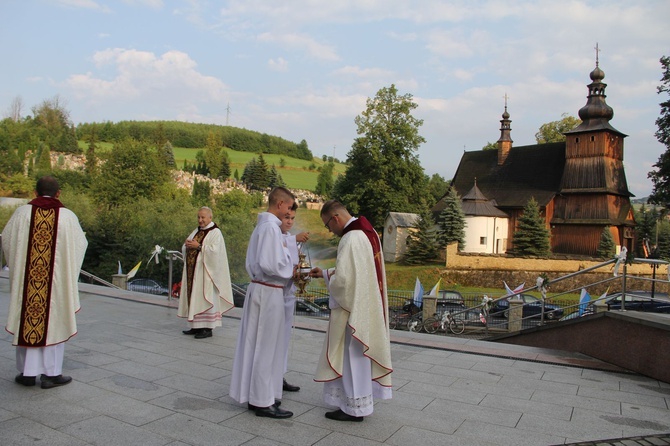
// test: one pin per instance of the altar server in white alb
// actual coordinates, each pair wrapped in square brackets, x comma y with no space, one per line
[206,292]
[355,363]
[44,246]
[292,243]
[258,367]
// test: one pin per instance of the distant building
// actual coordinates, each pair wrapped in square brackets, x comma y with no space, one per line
[397,226]
[486,226]
[580,184]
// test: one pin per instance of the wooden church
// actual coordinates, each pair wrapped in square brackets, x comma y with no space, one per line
[580,184]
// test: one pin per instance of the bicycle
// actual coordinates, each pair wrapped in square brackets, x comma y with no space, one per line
[432,324]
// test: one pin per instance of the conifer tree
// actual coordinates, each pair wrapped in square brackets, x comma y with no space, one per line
[202,191]
[606,247]
[166,153]
[421,244]
[451,221]
[664,240]
[91,167]
[531,236]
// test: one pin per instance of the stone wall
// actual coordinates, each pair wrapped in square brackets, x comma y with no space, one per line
[489,271]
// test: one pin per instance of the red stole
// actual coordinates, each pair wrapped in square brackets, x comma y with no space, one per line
[191,257]
[38,275]
[362,224]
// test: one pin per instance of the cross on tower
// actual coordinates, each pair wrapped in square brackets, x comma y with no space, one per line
[597,51]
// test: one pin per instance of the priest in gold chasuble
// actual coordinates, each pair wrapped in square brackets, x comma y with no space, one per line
[44,246]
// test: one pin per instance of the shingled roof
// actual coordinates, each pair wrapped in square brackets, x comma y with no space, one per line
[475,203]
[529,171]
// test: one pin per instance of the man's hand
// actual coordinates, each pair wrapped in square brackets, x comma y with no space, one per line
[316,272]
[302,237]
[192,244]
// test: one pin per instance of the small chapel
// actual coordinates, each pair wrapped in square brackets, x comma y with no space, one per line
[579,184]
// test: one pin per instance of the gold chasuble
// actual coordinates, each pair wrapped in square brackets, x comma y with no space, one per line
[38,277]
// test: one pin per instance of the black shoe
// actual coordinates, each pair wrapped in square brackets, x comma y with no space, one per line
[204,333]
[273,412]
[252,407]
[290,387]
[192,331]
[338,415]
[49,382]
[25,380]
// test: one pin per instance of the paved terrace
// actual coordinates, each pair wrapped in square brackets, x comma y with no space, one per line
[139,381]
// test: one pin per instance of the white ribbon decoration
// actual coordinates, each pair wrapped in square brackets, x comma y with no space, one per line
[621,257]
[155,253]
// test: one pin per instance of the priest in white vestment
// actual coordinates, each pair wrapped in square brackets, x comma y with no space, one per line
[292,242]
[258,367]
[44,246]
[355,362]
[206,291]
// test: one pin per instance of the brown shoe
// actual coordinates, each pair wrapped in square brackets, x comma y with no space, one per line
[49,382]
[25,380]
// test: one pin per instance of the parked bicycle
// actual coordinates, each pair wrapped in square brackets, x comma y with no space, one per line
[409,317]
[433,324]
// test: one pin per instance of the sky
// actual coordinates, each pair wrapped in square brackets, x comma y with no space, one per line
[304,69]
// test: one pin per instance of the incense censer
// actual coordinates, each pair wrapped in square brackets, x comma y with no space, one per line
[302,274]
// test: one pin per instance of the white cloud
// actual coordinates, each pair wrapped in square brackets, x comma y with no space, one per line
[278,64]
[85,4]
[303,42]
[170,78]
[359,72]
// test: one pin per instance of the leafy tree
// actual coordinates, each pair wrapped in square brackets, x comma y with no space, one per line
[606,246]
[664,240]
[660,176]
[325,181]
[421,244]
[213,154]
[437,186]
[52,121]
[132,171]
[451,221]
[15,109]
[384,172]
[224,166]
[531,236]
[554,131]
[490,146]
[91,166]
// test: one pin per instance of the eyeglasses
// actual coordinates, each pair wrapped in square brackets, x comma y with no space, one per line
[327,225]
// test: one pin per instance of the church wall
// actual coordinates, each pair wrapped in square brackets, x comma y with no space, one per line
[575,239]
[492,229]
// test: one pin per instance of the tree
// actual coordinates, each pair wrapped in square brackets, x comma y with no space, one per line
[554,131]
[91,166]
[55,128]
[606,246]
[202,192]
[132,171]
[325,182]
[384,172]
[166,154]
[15,109]
[213,154]
[437,187]
[421,244]
[645,230]
[490,146]
[660,176]
[531,236]
[451,221]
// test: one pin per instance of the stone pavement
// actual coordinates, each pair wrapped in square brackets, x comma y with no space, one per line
[139,381]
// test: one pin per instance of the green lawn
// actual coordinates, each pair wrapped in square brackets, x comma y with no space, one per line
[296,172]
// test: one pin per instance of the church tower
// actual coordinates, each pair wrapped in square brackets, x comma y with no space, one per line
[593,193]
[505,140]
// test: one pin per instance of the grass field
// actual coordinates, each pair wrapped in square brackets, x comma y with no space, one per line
[296,172]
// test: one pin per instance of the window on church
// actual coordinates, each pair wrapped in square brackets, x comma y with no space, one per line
[482,240]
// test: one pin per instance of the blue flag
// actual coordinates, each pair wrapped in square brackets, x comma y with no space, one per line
[418,293]
[584,300]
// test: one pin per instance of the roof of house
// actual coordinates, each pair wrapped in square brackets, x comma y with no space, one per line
[402,219]
[528,172]
[475,203]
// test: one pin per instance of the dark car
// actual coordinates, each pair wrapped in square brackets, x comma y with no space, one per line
[449,300]
[640,301]
[322,302]
[239,293]
[149,286]
[532,307]
[306,308]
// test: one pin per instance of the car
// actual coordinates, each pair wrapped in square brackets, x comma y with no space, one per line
[306,308]
[575,314]
[322,302]
[640,301]
[149,286]
[532,307]
[448,300]
[239,293]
